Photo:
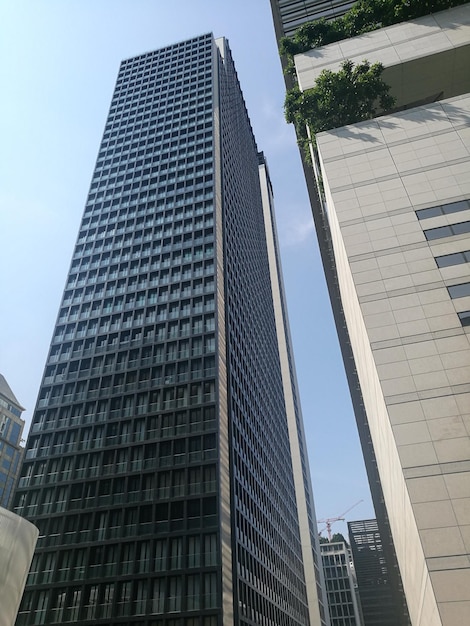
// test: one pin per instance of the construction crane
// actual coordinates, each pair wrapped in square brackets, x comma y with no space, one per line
[331,520]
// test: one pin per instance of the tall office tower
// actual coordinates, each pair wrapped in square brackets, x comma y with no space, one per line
[11,449]
[166,466]
[397,192]
[372,575]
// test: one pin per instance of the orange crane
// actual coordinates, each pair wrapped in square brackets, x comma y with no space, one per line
[330,520]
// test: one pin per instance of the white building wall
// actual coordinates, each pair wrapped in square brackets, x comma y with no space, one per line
[17,542]
[411,351]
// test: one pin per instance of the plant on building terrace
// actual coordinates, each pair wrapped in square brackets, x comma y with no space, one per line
[353,94]
[356,93]
[364,16]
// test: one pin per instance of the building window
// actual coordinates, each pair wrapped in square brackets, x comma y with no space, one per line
[445,209]
[459,291]
[193,593]
[158,596]
[210,591]
[464,317]
[174,594]
[447,231]
[453,259]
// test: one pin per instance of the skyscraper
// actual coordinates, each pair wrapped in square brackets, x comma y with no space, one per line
[392,213]
[166,466]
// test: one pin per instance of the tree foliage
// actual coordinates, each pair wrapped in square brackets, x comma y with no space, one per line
[353,94]
[337,537]
[364,16]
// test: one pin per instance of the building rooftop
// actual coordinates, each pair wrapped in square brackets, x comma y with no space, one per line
[5,390]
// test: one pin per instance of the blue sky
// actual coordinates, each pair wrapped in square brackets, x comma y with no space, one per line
[58,65]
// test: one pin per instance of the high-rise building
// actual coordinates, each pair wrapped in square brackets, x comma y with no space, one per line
[392,214]
[11,448]
[166,466]
[284,27]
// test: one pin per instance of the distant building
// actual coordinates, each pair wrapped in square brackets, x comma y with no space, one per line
[11,431]
[17,542]
[341,584]
[373,580]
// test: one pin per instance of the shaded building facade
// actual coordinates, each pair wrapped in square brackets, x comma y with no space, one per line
[160,463]
[373,579]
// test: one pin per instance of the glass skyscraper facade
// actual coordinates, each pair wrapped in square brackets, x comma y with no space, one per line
[160,464]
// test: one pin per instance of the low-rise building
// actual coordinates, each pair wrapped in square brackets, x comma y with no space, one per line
[340,582]
[11,450]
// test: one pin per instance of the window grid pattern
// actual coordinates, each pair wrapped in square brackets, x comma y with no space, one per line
[293,13]
[270,582]
[376,594]
[456,258]
[339,584]
[120,472]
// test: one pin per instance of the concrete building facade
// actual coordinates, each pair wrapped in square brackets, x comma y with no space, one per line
[397,192]
[341,585]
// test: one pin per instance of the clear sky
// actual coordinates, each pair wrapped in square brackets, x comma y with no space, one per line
[58,64]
